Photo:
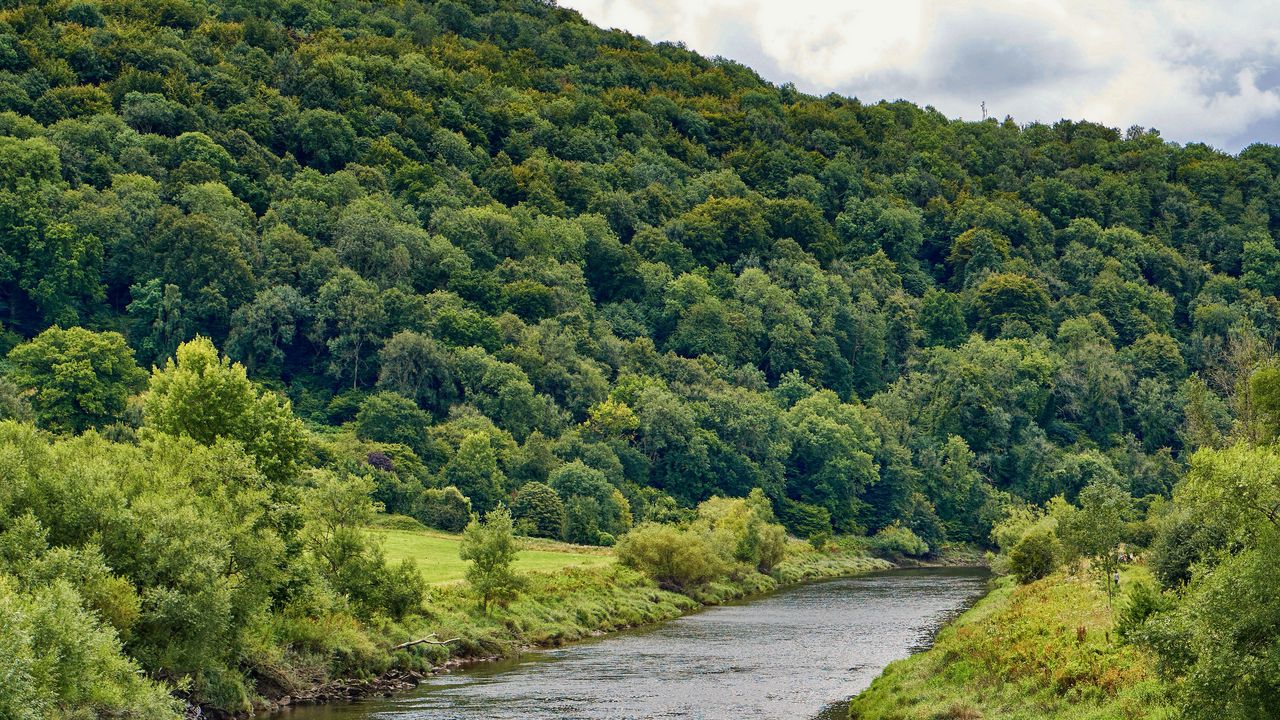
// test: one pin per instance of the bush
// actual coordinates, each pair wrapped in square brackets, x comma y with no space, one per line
[1034,556]
[895,541]
[59,660]
[1142,600]
[744,529]
[444,509]
[923,520]
[676,559]
[539,510]
[764,545]
[1180,543]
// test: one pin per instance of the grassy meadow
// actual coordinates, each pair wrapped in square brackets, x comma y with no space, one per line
[436,554]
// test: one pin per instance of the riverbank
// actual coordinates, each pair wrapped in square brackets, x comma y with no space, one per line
[1043,650]
[555,608]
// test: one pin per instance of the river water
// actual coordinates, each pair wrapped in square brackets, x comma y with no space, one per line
[799,653]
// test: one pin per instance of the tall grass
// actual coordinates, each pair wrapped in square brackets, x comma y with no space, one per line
[1029,652]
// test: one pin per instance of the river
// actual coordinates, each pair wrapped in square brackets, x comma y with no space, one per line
[799,653]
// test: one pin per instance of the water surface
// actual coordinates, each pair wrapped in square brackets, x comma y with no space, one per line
[799,653]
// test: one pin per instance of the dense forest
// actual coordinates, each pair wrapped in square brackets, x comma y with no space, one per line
[446,257]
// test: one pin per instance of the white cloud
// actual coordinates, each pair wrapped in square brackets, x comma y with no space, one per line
[1198,71]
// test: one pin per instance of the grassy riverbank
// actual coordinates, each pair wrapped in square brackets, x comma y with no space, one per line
[571,593]
[580,600]
[1019,654]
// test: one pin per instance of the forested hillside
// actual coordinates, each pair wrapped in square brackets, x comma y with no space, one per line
[484,244]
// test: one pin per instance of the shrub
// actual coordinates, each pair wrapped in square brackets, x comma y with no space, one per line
[1034,556]
[59,660]
[676,559]
[819,541]
[764,545]
[401,589]
[895,540]
[1180,543]
[445,509]
[743,528]
[1142,600]
[538,508]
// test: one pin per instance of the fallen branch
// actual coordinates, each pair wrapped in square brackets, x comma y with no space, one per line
[428,640]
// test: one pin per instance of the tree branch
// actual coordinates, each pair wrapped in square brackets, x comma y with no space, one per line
[428,640]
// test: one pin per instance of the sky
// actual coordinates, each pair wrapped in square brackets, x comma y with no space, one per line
[1195,70]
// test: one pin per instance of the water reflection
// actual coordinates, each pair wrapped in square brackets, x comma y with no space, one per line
[795,654]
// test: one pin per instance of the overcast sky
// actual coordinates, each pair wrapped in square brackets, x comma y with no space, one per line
[1197,71]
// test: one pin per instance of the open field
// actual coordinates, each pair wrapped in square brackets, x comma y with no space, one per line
[436,554]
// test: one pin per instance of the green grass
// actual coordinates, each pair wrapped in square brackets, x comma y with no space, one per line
[436,554]
[1018,655]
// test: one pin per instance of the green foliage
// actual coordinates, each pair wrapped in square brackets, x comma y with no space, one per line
[206,397]
[337,510]
[1183,540]
[538,510]
[639,277]
[189,553]
[804,519]
[14,403]
[490,547]
[473,470]
[781,300]
[1225,621]
[675,558]
[1008,303]
[77,379]
[833,447]
[445,509]
[1034,556]
[1264,386]
[1142,600]
[743,530]
[592,506]
[57,657]
[896,541]
[391,418]
[792,316]
[1024,652]
[1219,554]
[1095,530]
